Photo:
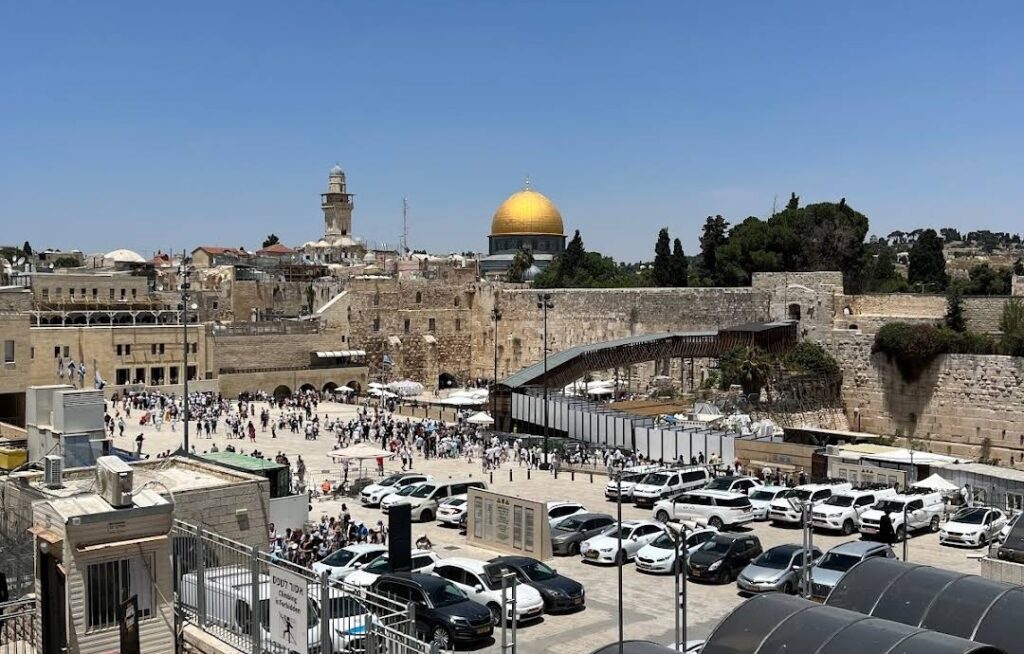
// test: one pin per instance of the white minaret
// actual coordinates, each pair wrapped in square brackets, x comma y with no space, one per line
[337,206]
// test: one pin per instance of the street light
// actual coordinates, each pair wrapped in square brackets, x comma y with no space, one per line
[496,316]
[544,303]
[184,270]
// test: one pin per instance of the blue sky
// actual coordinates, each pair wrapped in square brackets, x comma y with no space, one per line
[156,125]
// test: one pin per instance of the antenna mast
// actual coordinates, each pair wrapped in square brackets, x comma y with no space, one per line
[405,228]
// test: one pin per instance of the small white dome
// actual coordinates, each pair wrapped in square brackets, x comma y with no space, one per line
[370,257]
[124,256]
[337,170]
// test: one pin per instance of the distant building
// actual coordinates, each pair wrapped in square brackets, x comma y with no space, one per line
[528,221]
[338,245]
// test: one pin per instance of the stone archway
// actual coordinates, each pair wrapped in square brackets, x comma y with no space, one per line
[355,386]
[329,387]
[282,392]
[305,388]
[447,380]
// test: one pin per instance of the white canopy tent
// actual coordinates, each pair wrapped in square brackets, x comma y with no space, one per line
[480,419]
[936,483]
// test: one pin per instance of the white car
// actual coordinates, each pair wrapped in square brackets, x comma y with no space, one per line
[781,511]
[630,478]
[842,511]
[713,508]
[341,563]
[659,556]
[472,577]
[735,484]
[973,526]
[659,485]
[923,511]
[422,561]
[604,548]
[451,510]
[374,493]
[762,496]
[558,511]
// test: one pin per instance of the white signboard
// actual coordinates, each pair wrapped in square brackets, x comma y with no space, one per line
[289,607]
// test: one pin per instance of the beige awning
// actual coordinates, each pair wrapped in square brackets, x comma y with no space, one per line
[121,543]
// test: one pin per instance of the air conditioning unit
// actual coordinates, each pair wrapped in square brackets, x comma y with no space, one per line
[53,467]
[114,481]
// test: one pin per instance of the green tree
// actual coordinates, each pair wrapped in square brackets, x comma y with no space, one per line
[26,249]
[986,280]
[65,262]
[661,270]
[1018,267]
[927,267]
[573,256]
[1012,325]
[271,239]
[713,236]
[955,309]
[680,265]
[521,262]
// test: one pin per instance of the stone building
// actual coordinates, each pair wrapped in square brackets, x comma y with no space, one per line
[526,221]
[338,245]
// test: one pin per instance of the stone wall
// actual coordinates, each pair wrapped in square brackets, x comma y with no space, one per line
[271,350]
[234,384]
[870,311]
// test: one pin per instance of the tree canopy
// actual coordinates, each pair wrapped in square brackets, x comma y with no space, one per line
[927,267]
[271,239]
[577,268]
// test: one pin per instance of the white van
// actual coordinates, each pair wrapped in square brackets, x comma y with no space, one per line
[661,484]
[923,511]
[424,500]
[842,511]
[228,591]
[714,508]
[783,511]
[630,478]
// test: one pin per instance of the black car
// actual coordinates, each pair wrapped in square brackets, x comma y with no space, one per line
[444,614]
[1012,548]
[721,558]
[560,593]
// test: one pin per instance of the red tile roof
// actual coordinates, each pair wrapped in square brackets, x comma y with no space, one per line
[277,248]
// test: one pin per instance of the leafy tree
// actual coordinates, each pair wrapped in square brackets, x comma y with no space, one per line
[271,239]
[26,249]
[573,256]
[661,271]
[955,309]
[1018,267]
[986,280]
[591,270]
[65,262]
[811,357]
[927,262]
[521,262]
[747,366]
[680,265]
[714,236]
[880,272]
[1012,325]
[950,234]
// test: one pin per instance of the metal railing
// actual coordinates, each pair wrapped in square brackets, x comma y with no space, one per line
[223,587]
[18,627]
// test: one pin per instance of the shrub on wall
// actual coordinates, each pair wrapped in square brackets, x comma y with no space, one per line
[811,358]
[913,347]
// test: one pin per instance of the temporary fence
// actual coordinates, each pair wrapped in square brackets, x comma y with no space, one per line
[224,588]
[17,626]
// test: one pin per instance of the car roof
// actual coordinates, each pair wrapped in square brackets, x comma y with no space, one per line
[415,552]
[858,547]
[728,495]
[362,548]
[788,547]
[772,487]
[588,515]
[473,565]
[514,560]
[737,477]
[552,505]
[427,582]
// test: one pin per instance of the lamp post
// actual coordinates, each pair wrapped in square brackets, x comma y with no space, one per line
[184,271]
[496,316]
[544,303]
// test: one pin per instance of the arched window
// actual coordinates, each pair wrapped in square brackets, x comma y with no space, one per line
[419,297]
[794,311]
[457,301]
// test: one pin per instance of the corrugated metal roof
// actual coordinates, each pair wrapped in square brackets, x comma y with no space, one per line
[530,373]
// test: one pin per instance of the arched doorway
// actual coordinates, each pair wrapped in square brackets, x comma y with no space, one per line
[794,311]
[447,380]
[355,386]
[282,392]
[329,387]
[305,388]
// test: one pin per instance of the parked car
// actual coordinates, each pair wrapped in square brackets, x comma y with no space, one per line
[659,485]
[451,510]
[843,510]
[714,508]
[829,569]
[776,570]
[762,496]
[974,526]
[630,478]
[423,561]
[374,493]
[659,556]
[558,511]
[228,594]
[604,548]
[1012,548]
[560,593]
[781,511]
[568,534]
[424,500]
[735,484]
[923,511]
[472,577]
[1010,524]
[340,563]
[444,614]
[720,559]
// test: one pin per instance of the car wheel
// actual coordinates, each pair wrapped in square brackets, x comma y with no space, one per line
[427,516]
[723,576]
[787,588]
[495,614]
[574,549]
[661,516]
[901,533]
[848,527]
[934,524]
[982,540]
[716,522]
[441,636]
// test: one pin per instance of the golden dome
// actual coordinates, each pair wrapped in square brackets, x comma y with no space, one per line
[527,212]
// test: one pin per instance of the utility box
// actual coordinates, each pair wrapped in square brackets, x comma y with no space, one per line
[114,481]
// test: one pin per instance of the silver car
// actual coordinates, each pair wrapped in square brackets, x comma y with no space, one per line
[777,570]
[829,569]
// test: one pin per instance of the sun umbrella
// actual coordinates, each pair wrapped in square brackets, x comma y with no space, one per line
[360,451]
[936,483]
[344,389]
[462,400]
[480,419]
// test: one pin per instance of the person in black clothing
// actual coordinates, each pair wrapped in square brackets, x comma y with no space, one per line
[885,530]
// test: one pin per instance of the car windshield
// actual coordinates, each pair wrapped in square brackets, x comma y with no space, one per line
[838,561]
[633,477]
[970,516]
[889,506]
[717,546]
[379,565]
[776,558]
[456,502]
[839,500]
[655,479]
[423,491]
[408,490]
[722,483]
[664,542]
[447,595]
[537,571]
[803,494]
[763,495]
[389,481]
[613,531]
[570,524]
[339,558]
